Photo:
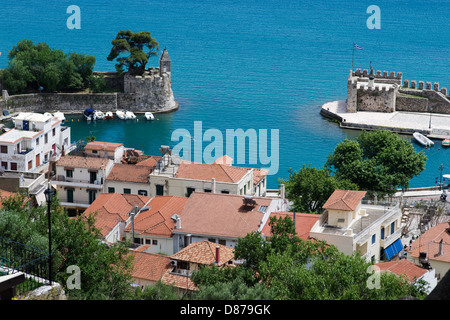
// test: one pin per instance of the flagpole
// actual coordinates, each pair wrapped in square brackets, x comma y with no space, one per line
[353,54]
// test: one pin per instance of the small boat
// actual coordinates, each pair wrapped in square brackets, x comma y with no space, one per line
[109,115]
[120,114]
[89,114]
[60,116]
[422,139]
[129,115]
[98,115]
[149,116]
[446,143]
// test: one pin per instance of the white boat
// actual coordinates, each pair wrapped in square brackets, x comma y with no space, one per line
[109,115]
[149,116]
[48,114]
[98,115]
[120,114]
[422,139]
[129,115]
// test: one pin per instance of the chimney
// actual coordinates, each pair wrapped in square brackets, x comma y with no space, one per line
[282,191]
[217,255]
[213,185]
[440,253]
[178,225]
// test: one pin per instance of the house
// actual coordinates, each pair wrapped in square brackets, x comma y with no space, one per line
[432,249]
[191,258]
[79,180]
[113,211]
[410,271]
[35,139]
[148,268]
[173,176]
[303,223]
[352,226]
[129,178]
[222,218]
[101,149]
[154,225]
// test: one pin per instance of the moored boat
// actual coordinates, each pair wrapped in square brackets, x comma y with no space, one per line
[109,115]
[89,114]
[129,115]
[149,116]
[99,115]
[120,114]
[446,143]
[423,140]
[60,115]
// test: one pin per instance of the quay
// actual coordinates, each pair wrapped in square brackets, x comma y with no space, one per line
[433,125]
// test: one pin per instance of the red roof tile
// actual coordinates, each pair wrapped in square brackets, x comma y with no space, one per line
[346,200]
[157,220]
[100,145]
[149,266]
[129,173]
[403,267]
[204,253]
[429,242]
[179,281]
[110,208]
[303,223]
[221,215]
[207,171]
[82,162]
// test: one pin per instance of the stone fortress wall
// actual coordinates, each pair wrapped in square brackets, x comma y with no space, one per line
[387,94]
[150,92]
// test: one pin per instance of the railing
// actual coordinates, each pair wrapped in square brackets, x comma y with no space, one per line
[16,257]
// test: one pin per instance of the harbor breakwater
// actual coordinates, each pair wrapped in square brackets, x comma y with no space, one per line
[149,92]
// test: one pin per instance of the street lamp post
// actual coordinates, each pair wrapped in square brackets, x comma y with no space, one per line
[48,196]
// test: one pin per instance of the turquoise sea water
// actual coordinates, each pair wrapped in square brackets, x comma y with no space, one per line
[262,64]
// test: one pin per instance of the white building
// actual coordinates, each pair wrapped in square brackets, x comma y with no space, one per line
[35,138]
[79,180]
[351,226]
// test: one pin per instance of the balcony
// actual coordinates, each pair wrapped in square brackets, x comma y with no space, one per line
[390,239]
[61,180]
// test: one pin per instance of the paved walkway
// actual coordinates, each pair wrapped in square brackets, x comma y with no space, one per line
[402,122]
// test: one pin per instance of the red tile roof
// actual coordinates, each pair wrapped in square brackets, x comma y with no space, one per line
[346,200]
[179,281]
[221,215]
[303,223]
[149,161]
[157,220]
[204,253]
[403,267]
[110,208]
[429,242]
[100,145]
[129,173]
[224,160]
[149,266]
[82,162]
[207,171]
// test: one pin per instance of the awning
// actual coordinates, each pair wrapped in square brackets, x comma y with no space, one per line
[393,249]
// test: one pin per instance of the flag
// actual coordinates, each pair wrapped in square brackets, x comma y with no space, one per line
[356,47]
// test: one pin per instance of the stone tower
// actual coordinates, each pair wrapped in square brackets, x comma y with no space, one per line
[164,63]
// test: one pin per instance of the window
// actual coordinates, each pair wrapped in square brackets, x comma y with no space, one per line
[262,209]
[111,189]
[92,176]
[373,239]
[4,149]
[148,241]
[92,195]
[142,192]
[225,192]
[126,190]
[207,190]
[155,242]
[159,190]
[37,141]
[94,151]
[14,166]
[382,233]
[54,132]
[392,227]
[189,191]
[69,173]
[5,165]
[223,242]
[30,164]
[46,138]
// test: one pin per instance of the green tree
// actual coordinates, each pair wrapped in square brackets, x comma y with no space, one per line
[379,161]
[309,188]
[132,50]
